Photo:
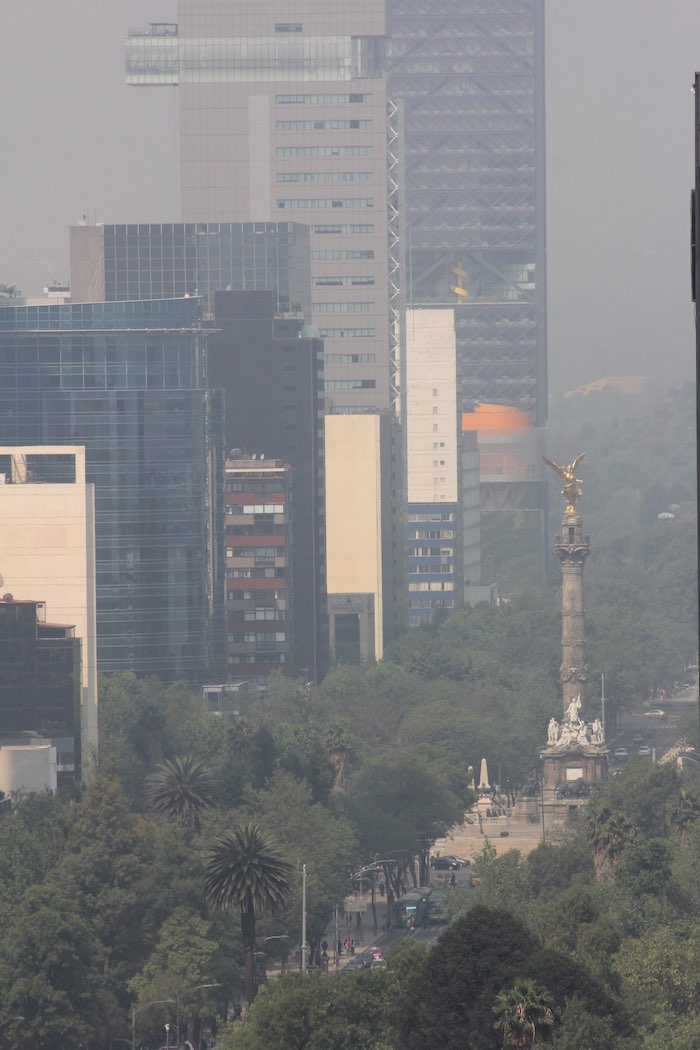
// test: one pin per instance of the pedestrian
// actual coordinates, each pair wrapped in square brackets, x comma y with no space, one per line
[340,946]
[352,946]
[382,889]
[347,945]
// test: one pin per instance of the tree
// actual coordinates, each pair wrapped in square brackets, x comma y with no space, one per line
[180,790]
[522,1011]
[313,1012]
[683,813]
[308,833]
[449,1002]
[243,871]
[608,834]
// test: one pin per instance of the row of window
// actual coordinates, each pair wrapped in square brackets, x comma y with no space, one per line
[445,515]
[257,658]
[334,254]
[239,595]
[322,125]
[261,508]
[431,534]
[350,359]
[264,613]
[256,552]
[431,552]
[432,585]
[343,228]
[350,384]
[323,100]
[325,176]
[251,636]
[342,282]
[325,202]
[324,151]
[345,333]
[344,308]
[253,574]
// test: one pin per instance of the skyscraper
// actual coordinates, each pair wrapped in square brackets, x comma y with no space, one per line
[272,378]
[470,76]
[126,380]
[284,115]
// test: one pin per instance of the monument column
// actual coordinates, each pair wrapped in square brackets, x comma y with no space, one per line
[572,550]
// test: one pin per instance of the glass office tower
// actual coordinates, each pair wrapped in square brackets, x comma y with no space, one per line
[127,381]
[470,76]
[171,259]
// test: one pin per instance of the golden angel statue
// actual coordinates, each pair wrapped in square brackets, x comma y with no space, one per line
[572,490]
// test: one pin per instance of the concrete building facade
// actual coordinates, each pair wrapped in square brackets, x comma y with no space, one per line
[259,562]
[47,545]
[271,376]
[365,545]
[433,471]
[284,115]
[40,699]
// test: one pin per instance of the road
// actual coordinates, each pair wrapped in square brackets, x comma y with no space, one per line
[641,727]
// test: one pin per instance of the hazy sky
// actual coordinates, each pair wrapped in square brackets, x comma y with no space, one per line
[619,141]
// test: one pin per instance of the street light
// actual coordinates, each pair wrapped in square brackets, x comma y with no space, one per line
[135,1011]
[181,995]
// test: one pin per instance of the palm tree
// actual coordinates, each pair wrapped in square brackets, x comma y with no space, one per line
[180,790]
[243,871]
[337,744]
[522,1011]
[608,833]
[684,812]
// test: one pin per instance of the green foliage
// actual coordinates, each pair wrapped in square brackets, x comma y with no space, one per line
[47,969]
[398,804]
[449,1002]
[579,1029]
[312,1012]
[310,834]
[662,971]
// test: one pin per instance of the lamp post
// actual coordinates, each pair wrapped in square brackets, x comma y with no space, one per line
[180,995]
[167,1037]
[135,1011]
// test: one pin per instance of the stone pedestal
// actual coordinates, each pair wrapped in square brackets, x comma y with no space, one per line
[568,772]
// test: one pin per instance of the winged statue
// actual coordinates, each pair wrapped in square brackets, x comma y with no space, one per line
[572,485]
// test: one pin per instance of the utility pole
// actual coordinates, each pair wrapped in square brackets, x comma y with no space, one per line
[602,700]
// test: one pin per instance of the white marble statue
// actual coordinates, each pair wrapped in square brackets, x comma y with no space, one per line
[553,731]
[597,735]
[573,709]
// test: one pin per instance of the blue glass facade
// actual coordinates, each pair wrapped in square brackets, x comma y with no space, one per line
[127,381]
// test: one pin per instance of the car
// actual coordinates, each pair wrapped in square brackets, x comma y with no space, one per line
[620,753]
[463,862]
[655,713]
[444,863]
[644,750]
[376,952]
[378,964]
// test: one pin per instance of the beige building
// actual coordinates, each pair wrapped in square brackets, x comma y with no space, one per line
[284,116]
[47,550]
[431,406]
[364,546]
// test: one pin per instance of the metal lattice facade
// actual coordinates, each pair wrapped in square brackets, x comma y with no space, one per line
[470,76]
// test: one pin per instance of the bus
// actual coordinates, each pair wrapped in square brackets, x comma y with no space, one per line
[422,907]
